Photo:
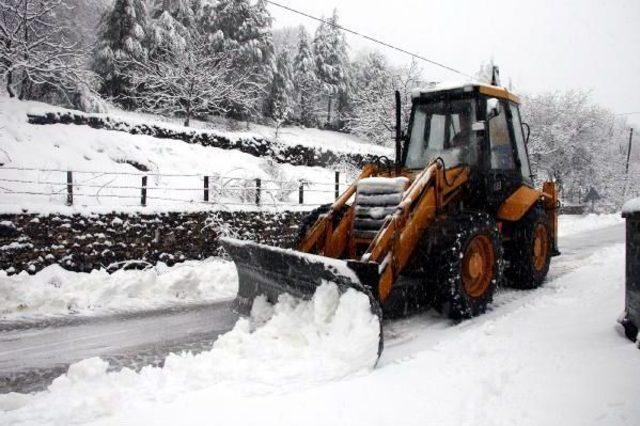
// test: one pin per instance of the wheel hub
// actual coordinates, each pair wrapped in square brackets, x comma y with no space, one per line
[540,247]
[477,266]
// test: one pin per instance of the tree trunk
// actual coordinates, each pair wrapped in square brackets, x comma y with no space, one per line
[188,115]
[23,84]
[25,89]
[9,83]
[329,112]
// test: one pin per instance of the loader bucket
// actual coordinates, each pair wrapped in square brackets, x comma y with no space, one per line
[271,271]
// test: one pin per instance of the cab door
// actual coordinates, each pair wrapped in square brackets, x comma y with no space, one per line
[522,158]
[503,167]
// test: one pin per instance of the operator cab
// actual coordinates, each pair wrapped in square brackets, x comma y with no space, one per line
[475,125]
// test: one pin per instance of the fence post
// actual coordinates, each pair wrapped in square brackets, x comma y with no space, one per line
[206,188]
[301,193]
[69,188]
[143,192]
[258,185]
[337,184]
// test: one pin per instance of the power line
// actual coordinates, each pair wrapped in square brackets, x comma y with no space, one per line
[369,38]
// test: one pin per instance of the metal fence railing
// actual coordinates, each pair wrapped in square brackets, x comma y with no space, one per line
[26,185]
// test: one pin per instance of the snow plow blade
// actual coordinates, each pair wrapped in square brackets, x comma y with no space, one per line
[272,271]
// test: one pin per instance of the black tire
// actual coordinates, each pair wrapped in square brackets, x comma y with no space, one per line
[523,270]
[455,297]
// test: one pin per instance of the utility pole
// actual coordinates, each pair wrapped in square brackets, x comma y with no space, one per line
[626,173]
[629,150]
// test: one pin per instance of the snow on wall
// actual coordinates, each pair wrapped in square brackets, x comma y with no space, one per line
[30,242]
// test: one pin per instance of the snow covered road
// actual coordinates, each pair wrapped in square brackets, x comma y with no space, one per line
[32,356]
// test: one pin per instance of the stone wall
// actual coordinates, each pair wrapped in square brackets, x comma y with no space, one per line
[29,242]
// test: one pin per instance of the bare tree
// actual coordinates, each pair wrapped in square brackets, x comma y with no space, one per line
[373,113]
[195,81]
[578,142]
[36,52]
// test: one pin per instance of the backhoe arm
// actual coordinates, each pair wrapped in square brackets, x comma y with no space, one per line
[323,238]
[432,190]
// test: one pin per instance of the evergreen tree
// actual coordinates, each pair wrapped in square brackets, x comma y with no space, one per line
[167,35]
[183,11]
[205,25]
[305,80]
[373,88]
[121,41]
[280,100]
[330,52]
[244,29]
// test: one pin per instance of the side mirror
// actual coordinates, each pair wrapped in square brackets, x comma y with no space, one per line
[493,108]
[526,138]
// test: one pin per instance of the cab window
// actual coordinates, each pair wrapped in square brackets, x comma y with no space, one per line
[501,149]
[442,129]
[525,168]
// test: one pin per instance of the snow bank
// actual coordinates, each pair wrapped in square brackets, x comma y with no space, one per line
[279,348]
[570,224]
[55,290]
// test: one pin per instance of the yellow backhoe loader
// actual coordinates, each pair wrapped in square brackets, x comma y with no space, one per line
[453,217]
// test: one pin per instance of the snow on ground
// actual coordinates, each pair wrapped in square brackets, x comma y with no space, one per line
[56,291]
[289,345]
[575,224]
[556,358]
[105,176]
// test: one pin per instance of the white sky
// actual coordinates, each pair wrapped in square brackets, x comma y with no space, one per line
[541,45]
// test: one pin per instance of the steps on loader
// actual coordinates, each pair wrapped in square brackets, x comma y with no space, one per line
[376,199]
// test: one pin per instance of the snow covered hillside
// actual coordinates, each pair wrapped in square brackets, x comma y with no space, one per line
[107,167]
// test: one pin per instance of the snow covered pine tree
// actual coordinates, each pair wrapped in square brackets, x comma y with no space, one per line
[330,52]
[280,101]
[122,42]
[305,81]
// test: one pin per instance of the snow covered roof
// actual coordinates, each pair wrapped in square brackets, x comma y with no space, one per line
[468,86]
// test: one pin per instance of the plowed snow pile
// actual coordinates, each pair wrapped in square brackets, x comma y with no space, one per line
[57,291]
[286,346]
